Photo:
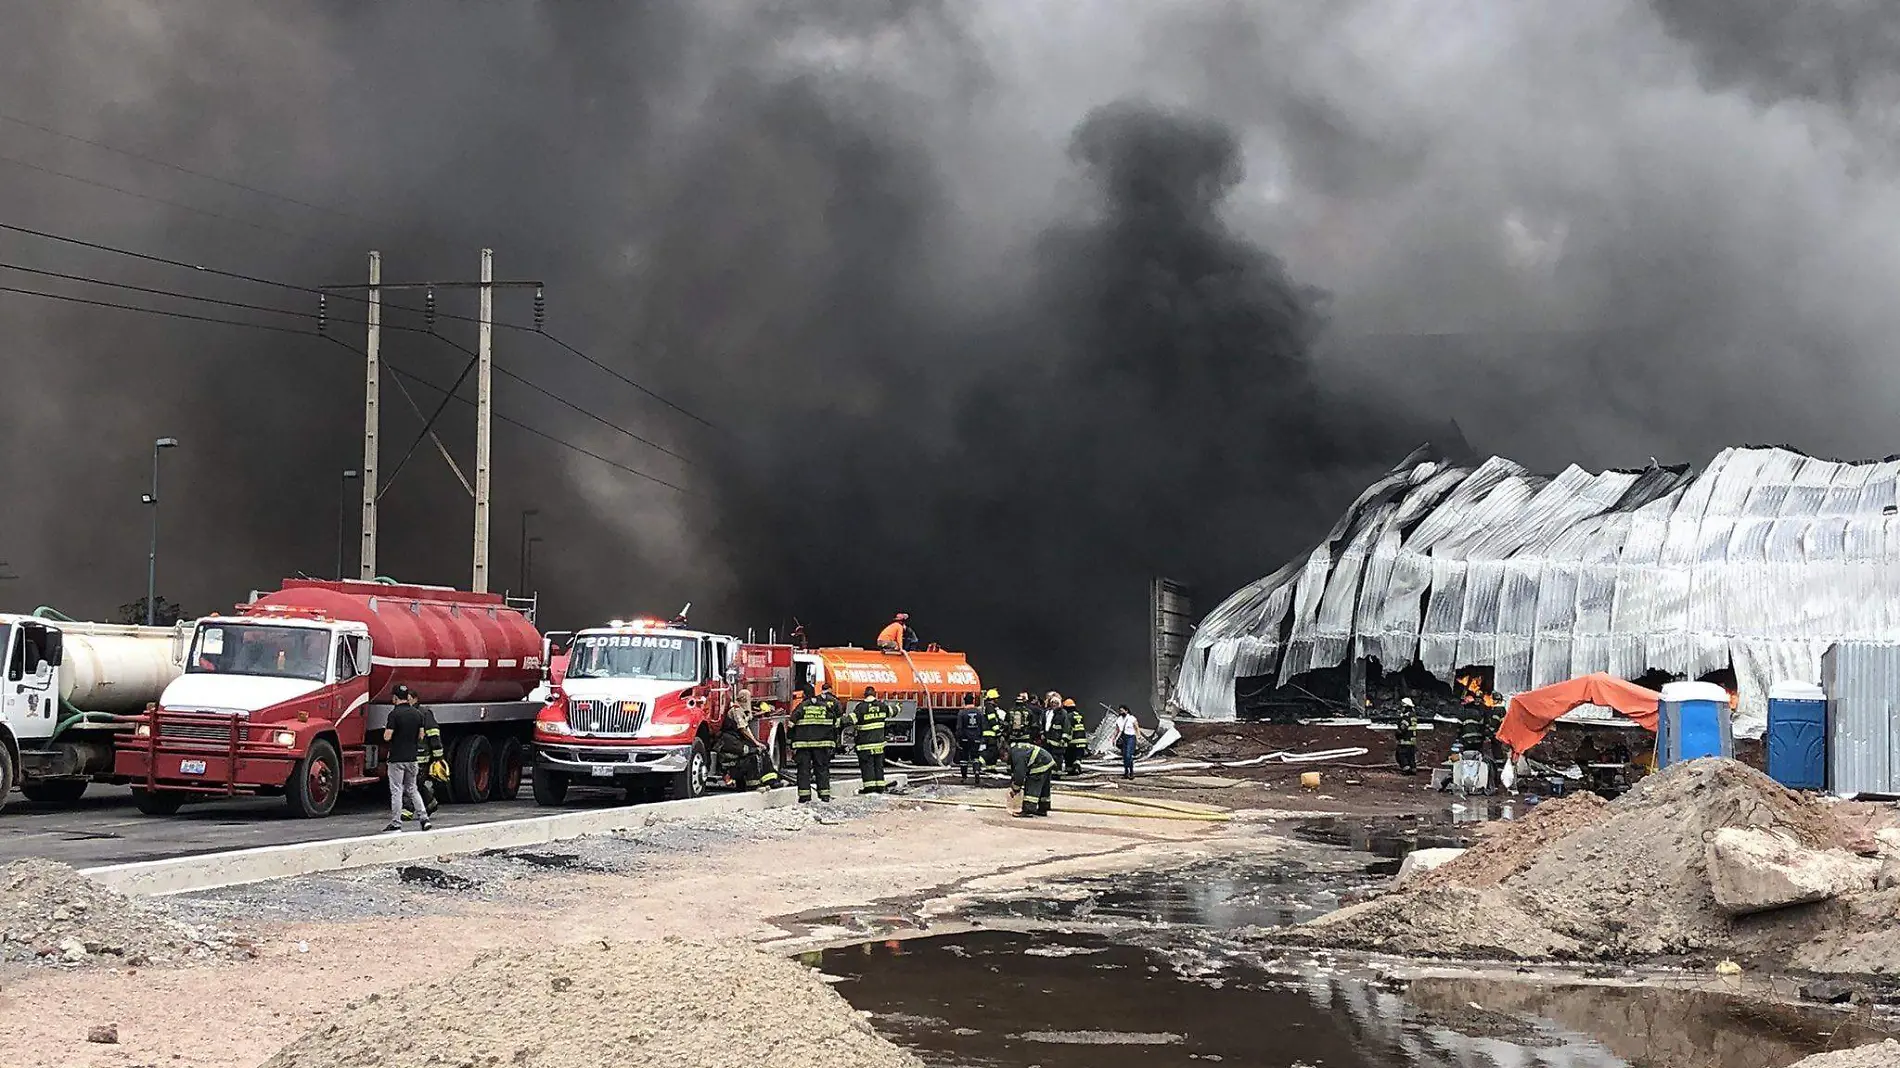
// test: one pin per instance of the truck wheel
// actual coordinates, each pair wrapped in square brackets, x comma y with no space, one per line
[691,782]
[472,769]
[550,788]
[507,770]
[55,791]
[157,802]
[6,772]
[316,782]
[938,748]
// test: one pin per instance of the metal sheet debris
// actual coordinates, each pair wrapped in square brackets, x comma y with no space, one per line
[1762,561]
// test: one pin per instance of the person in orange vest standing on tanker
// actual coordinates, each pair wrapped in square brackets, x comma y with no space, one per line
[897,635]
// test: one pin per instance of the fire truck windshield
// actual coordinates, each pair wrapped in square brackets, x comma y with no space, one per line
[254,649]
[634,656]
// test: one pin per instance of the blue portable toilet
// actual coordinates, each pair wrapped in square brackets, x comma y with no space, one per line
[1797,735]
[1692,722]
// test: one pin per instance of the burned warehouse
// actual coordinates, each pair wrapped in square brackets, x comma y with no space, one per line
[1747,571]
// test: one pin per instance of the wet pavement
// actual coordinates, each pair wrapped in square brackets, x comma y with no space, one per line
[1013,1000]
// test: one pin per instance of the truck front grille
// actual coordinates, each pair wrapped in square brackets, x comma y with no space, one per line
[195,732]
[606,717]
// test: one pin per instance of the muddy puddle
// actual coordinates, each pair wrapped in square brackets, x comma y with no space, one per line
[1220,895]
[1013,1000]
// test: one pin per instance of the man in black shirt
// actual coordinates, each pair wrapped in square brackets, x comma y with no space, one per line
[402,744]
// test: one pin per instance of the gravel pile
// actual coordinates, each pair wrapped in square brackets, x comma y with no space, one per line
[52,915]
[1626,880]
[1879,1055]
[674,1003]
[447,885]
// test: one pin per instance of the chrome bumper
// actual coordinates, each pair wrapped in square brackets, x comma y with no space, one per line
[609,762]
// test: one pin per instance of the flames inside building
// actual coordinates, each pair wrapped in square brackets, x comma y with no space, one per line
[1493,576]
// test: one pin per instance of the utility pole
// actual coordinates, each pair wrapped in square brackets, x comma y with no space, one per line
[484,411]
[371,417]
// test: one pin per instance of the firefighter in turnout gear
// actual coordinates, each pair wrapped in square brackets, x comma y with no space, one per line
[1030,769]
[970,721]
[1016,720]
[814,737]
[995,726]
[1493,745]
[434,786]
[1405,735]
[750,763]
[1077,733]
[870,716]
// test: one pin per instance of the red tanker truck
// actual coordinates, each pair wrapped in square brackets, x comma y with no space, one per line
[290,695]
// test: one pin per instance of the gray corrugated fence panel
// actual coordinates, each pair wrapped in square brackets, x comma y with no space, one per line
[1862,680]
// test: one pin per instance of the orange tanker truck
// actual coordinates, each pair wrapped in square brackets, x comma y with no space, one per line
[924,689]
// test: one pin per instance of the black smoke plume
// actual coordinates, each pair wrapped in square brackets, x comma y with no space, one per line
[999,313]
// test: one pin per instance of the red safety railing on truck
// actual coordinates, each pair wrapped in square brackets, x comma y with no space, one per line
[202,733]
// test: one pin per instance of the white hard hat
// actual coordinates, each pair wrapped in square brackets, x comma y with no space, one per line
[1406,701]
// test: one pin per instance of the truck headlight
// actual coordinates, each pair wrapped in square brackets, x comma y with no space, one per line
[143,730]
[554,726]
[666,730]
[285,738]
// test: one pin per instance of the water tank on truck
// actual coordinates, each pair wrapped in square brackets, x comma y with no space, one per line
[925,689]
[299,683]
[67,684]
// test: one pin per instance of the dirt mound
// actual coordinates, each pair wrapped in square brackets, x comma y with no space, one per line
[674,1003]
[1637,882]
[1441,921]
[1624,880]
[1879,1055]
[1516,843]
[52,915]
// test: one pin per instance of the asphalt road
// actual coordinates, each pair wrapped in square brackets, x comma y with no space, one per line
[105,828]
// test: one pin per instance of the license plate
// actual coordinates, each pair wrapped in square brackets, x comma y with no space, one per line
[598,771]
[191,767]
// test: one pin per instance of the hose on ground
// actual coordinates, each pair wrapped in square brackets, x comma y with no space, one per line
[1152,802]
[1198,817]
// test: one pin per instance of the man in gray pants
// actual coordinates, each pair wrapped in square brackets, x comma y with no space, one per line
[402,745]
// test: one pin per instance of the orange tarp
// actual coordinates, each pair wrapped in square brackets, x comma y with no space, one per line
[1532,712]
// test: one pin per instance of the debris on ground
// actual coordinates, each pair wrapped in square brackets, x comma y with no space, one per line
[671,1002]
[1632,880]
[1879,1055]
[104,1035]
[52,915]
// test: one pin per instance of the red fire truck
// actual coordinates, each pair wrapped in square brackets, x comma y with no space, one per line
[290,694]
[640,704]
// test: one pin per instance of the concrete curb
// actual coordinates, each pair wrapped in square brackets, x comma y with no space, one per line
[208,871]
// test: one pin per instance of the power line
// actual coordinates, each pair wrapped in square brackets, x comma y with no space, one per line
[690,415]
[168,165]
[147,196]
[255,280]
[305,333]
[553,396]
[544,391]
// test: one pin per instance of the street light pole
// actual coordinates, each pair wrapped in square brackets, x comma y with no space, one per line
[527,564]
[525,513]
[342,509]
[151,560]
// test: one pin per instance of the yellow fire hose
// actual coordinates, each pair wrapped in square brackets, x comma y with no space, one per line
[1200,817]
[1188,807]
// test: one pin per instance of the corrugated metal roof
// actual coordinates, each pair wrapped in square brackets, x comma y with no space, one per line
[1764,560]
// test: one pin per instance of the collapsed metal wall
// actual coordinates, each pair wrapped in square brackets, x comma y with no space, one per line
[1763,560]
